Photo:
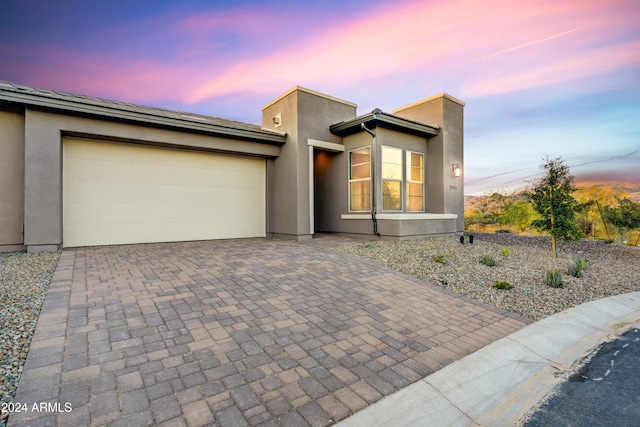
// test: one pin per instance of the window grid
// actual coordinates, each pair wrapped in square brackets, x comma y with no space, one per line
[360,180]
[415,181]
[391,179]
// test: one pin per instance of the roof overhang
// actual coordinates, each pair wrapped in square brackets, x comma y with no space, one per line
[378,118]
[123,112]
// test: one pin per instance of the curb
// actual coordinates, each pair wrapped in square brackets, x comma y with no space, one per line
[498,384]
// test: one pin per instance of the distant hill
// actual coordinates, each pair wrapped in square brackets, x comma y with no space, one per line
[631,190]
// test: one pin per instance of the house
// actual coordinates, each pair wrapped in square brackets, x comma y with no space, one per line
[81,171]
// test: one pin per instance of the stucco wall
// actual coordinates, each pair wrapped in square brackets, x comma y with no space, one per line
[446,192]
[44,134]
[12,179]
[283,186]
[304,115]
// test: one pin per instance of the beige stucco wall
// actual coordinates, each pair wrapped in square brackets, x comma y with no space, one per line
[446,192]
[305,115]
[282,183]
[43,162]
[12,179]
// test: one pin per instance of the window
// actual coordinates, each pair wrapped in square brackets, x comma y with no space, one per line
[401,181]
[391,179]
[360,179]
[415,182]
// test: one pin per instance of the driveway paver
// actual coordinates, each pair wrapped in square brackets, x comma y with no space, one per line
[238,332]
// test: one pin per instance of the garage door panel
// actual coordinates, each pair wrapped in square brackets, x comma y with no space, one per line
[116,193]
[98,171]
[139,233]
[138,194]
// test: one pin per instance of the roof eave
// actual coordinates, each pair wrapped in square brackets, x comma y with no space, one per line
[53,104]
[388,121]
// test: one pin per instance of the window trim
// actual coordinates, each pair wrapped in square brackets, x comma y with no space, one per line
[401,180]
[409,181]
[350,174]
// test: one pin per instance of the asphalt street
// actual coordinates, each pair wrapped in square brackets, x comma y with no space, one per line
[604,392]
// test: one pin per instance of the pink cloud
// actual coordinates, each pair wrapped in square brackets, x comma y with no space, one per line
[97,75]
[569,69]
[425,39]
[470,47]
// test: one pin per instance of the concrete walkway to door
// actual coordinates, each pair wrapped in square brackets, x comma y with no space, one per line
[238,332]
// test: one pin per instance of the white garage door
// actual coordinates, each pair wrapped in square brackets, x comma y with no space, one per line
[117,194]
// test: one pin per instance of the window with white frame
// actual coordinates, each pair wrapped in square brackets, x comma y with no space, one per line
[415,181]
[391,179]
[360,179]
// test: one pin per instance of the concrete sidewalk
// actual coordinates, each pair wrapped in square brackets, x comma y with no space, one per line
[498,384]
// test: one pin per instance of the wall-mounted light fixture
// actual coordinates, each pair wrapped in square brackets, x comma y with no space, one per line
[457,171]
[277,120]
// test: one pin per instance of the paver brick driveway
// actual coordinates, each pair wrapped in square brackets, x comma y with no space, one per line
[238,332]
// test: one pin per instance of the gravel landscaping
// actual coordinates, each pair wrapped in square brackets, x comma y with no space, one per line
[24,280]
[612,269]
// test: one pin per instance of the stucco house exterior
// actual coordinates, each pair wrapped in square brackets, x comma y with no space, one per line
[81,171]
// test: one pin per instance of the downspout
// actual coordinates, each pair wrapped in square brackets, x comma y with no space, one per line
[373,180]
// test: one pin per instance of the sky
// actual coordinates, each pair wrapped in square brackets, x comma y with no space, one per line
[539,78]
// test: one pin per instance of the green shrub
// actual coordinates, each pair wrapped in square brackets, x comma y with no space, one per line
[581,263]
[503,285]
[578,266]
[441,258]
[488,261]
[505,251]
[554,278]
[575,271]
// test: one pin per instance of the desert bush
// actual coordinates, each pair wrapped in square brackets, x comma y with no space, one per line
[488,260]
[581,262]
[503,285]
[554,278]
[578,266]
[441,258]
[575,271]
[505,251]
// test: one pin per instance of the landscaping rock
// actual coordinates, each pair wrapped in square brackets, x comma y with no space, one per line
[612,269]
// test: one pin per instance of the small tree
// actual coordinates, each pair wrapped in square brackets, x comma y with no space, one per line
[625,216]
[552,198]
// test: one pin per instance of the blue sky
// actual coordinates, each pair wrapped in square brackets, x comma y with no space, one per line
[538,77]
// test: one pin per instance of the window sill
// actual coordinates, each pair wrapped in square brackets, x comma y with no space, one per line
[400,216]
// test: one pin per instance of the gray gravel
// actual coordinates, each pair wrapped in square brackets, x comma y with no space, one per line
[612,269]
[24,280]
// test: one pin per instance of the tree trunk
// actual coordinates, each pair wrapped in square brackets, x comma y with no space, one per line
[553,231]
[603,221]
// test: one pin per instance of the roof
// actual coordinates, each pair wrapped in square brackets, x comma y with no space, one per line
[50,100]
[311,92]
[378,118]
[431,98]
